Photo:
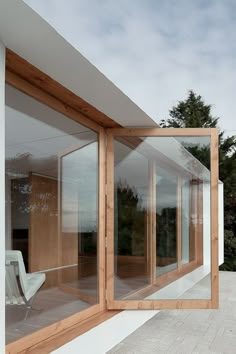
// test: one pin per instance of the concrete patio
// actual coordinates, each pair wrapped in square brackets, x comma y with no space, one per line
[189,331]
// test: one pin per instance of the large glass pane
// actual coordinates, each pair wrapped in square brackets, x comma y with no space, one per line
[166,221]
[185,197]
[131,209]
[162,218]
[79,216]
[51,216]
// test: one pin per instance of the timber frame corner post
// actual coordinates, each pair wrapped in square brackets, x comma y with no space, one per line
[135,303]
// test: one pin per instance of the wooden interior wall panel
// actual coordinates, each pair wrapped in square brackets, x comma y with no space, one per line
[68,248]
[43,224]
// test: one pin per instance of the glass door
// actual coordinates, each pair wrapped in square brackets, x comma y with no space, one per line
[161,247]
[78,220]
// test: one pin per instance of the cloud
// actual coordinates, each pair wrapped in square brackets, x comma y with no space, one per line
[154,50]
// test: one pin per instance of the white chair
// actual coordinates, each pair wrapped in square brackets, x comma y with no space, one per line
[20,286]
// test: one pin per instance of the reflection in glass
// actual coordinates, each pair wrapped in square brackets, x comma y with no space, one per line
[51,213]
[162,218]
[166,221]
[131,201]
[185,213]
[79,212]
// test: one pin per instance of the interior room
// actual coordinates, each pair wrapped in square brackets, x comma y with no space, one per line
[51,214]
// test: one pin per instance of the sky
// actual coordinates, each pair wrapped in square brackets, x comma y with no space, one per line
[155,51]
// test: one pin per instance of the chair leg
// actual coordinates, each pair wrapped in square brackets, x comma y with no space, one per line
[29,306]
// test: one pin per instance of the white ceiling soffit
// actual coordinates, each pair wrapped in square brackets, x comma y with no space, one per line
[26,33]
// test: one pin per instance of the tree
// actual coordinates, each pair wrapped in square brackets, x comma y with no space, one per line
[193,113]
[130,220]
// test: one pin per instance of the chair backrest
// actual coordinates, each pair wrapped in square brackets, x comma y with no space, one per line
[15,277]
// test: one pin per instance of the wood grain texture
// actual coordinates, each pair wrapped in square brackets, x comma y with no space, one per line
[170,132]
[47,346]
[102,218]
[160,304]
[50,101]
[214,217]
[57,329]
[43,225]
[36,78]
[168,304]
[110,219]
[31,81]
[200,225]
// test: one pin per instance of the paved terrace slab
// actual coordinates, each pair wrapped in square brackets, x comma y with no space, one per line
[189,331]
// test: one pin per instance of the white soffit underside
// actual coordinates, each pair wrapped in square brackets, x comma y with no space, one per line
[30,36]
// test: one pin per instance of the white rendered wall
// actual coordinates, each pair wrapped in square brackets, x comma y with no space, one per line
[207,223]
[221,223]
[2,197]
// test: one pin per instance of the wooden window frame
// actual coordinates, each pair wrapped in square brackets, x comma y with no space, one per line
[213,302]
[26,78]
[195,230]
[33,82]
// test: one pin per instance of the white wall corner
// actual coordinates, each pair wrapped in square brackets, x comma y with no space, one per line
[2,196]
[221,222]
[206,224]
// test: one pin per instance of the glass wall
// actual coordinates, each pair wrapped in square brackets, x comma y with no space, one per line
[166,220]
[51,216]
[185,219]
[162,218]
[131,213]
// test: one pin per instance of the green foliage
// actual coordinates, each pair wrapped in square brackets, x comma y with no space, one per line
[166,236]
[193,113]
[130,221]
[230,252]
